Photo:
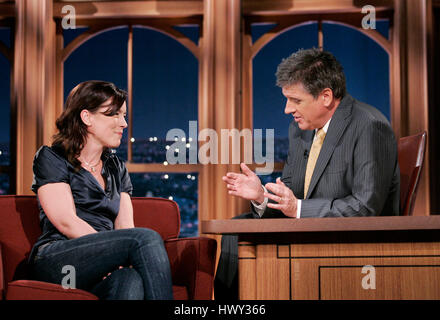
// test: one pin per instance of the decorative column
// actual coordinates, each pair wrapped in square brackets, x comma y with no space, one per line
[417,88]
[220,102]
[34,89]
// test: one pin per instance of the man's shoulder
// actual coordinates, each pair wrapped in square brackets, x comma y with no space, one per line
[366,113]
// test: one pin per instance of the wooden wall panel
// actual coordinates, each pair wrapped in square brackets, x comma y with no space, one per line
[417,85]
[33,87]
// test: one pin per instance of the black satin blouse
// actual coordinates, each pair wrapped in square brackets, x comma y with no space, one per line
[96,206]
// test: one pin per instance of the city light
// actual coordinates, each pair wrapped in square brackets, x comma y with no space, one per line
[167,147]
[165,163]
[170,197]
[166,176]
[132,139]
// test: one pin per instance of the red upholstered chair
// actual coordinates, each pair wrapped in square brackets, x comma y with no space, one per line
[411,157]
[192,259]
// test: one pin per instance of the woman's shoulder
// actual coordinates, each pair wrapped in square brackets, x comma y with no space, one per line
[49,167]
[53,156]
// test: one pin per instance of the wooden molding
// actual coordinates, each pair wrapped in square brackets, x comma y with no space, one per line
[132,9]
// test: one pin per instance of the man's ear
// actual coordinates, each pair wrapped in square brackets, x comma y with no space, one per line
[85,117]
[327,97]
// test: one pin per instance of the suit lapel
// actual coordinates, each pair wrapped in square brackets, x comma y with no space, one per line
[336,128]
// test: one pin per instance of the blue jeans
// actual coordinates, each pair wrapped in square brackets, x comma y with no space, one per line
[95,255]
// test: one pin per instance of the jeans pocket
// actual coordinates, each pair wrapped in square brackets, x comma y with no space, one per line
[39,255]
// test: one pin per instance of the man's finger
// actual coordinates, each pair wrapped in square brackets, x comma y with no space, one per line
[280,182]
[233,193]
[228,180]
[233,175]
[275,188]
[245,169]
[275,206]
[272,197]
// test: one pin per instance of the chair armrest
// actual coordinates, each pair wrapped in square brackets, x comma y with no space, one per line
[192,263]
[38,290]
[2,277]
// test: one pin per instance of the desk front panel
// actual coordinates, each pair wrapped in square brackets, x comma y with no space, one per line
[340,271]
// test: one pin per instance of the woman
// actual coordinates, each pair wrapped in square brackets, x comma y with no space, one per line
[86,213]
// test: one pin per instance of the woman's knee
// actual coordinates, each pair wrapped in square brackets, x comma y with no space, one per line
[147,236]
[122,284]
[132,284]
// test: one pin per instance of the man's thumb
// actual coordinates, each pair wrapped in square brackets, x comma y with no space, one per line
[245,169]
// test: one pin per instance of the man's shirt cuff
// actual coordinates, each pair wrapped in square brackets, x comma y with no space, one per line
[260,208]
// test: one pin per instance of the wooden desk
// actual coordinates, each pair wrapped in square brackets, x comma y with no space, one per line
[336,258]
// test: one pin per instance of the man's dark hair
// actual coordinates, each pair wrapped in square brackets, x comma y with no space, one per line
[315,70]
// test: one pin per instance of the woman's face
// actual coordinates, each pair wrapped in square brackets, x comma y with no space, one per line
[107,130]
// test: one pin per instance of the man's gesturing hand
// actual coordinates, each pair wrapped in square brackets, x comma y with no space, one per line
[283,196]
[246,185]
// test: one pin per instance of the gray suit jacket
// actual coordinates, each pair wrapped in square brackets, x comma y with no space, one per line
[357,171]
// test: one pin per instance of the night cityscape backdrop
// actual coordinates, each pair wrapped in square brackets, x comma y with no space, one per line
[165,84]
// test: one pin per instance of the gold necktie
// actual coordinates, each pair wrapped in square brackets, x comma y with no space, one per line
[313,156]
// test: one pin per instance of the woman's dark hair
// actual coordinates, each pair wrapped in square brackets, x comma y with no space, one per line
[88,95]
[315,70]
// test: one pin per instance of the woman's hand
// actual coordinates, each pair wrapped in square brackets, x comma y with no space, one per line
[120,267]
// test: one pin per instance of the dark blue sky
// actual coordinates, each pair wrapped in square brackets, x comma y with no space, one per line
[165,74]
[5,79]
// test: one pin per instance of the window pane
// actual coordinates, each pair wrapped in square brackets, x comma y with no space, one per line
[365,63]
[259,29]
[383,27]
[191,31]
[268,101]
[4,183]
[5,109]
[165,92]
[103,57]
[71,34]
[5,102]
[180,187]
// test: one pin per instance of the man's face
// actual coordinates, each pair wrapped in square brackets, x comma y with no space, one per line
[309,113]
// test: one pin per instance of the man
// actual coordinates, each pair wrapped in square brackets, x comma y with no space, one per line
[342,159]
